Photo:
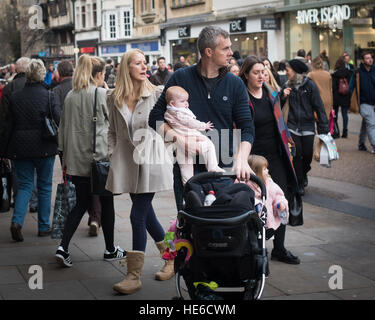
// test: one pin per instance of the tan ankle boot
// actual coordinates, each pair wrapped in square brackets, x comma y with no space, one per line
[167,271]
[132,281]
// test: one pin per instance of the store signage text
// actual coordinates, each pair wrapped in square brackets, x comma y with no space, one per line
[184,32]
[325,14]
[238,25]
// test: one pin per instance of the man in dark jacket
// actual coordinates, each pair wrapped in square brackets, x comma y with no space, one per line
[65,69]
[162,75]
[214,95]
[366,74]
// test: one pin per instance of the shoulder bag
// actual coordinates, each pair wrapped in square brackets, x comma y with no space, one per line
[50,128]
[99,168]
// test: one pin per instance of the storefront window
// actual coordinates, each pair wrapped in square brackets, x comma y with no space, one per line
[186,48]
[250,44]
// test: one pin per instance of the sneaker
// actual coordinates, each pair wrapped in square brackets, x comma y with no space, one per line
[362,147]
[63,257]
[118,254]
[94,229]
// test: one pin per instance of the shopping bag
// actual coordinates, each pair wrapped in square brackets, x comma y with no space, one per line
[295,209]
[317,149]
[330,143]
[64,203]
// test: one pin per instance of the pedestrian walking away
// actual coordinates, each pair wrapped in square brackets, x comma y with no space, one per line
[341,95]
[128,137]
[271,141]
[76,145]
[28,147]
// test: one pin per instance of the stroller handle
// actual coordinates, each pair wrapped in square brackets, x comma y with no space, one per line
[222,175]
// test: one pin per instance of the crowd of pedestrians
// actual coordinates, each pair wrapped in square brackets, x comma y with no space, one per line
[279,107]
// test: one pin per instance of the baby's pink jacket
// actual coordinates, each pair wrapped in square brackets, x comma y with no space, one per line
[274,196]
[184,121]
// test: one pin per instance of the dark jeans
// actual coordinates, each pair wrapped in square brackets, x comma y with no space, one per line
[143,218]
[344,113]
[303,157]
[84,199]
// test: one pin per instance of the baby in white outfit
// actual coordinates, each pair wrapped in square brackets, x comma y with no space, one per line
[183,121]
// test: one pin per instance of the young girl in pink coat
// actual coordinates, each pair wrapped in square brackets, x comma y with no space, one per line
[275,195]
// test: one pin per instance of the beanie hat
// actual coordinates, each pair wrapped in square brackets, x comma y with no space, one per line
[298,66]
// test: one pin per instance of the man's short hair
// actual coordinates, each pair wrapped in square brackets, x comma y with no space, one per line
[160,58]
[301,53]
[108,61]
[365,53]
[65,69]
[208,38]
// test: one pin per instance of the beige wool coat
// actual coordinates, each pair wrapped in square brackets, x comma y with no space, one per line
[76,130]
[323,81]
[138,164]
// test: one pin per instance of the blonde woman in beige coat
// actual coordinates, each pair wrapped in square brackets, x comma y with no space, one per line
[139,161]
[76,144]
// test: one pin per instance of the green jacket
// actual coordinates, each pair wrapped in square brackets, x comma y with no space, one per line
[76,130]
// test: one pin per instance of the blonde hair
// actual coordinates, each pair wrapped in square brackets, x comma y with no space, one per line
[124,83]
[173,92]
[257,164]
[317,63]
[35,71]
[273,83]
[87,68]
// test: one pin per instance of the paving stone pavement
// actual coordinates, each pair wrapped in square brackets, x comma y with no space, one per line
[327,238]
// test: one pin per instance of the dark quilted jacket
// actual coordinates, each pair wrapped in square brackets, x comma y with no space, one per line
[24,123]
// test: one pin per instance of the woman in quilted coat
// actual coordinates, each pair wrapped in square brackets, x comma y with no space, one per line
[28,149]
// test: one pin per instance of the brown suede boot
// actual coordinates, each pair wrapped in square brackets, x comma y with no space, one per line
[132,281]
[167,271]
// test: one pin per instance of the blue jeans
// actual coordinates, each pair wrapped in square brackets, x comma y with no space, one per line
[142,218]
[368,114]
[25,176]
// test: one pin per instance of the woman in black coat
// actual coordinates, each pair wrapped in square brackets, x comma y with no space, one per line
[304,99]
[270,141]
[26,145]
[340,97]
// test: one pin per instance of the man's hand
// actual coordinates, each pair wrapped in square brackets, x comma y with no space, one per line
[242,170]
[241,166]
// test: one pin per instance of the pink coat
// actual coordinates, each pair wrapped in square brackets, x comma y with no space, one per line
[184,121]
[274,196]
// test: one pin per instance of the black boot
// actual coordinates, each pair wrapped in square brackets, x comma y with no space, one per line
[344,133]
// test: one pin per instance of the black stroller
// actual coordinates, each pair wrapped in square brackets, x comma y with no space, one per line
[227,258]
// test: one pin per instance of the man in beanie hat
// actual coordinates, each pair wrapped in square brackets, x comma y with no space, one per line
[300,100]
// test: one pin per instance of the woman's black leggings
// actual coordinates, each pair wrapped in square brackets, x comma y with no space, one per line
[83,195]
[304,155]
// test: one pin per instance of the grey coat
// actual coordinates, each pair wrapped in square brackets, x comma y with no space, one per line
[139,164]
[76,130]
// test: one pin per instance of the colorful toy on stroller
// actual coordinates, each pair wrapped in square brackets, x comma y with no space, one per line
[219,250]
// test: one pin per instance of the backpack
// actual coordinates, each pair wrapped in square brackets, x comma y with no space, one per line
[343,87]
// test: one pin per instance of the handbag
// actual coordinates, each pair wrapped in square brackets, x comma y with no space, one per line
[50,128]
[65,201]
[99,168]
[5,185]
[295,209]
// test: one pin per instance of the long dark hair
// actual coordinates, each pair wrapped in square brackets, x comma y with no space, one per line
[340,63]
[247,65]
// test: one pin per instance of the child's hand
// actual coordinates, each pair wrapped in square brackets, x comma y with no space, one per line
[282,206]
[209,125]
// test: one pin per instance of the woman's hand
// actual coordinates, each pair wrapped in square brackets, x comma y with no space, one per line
[282,206]
[286,92]
[209,125]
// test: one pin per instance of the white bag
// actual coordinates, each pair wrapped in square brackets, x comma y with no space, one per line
[329,151]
